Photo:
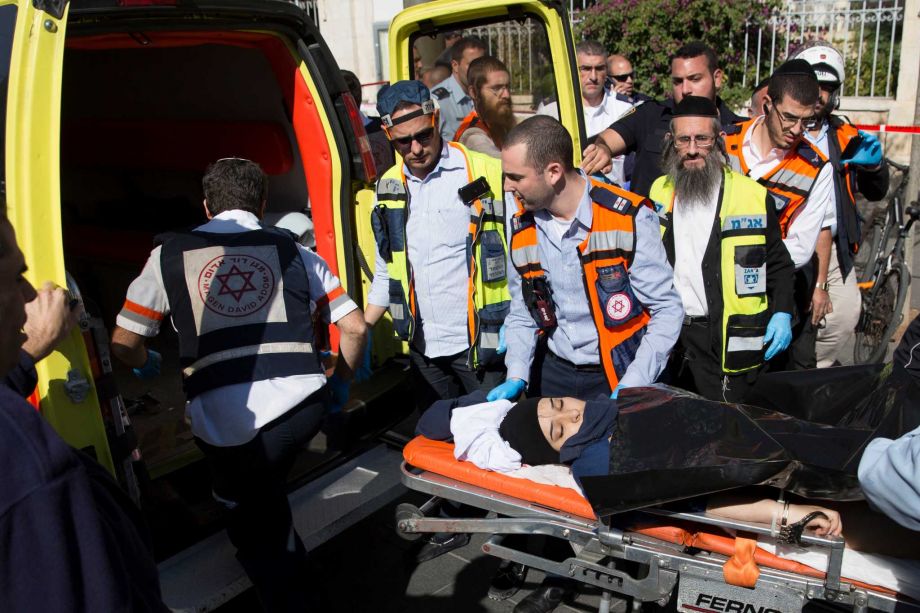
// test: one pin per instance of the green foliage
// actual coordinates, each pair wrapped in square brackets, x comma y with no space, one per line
[649,31]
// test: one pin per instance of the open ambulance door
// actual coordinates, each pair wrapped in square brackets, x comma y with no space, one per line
[532,37]
[66,393]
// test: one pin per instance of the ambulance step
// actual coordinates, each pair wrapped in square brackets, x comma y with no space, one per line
[207,574]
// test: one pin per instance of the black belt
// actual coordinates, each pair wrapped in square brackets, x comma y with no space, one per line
[579,367]
[695,319]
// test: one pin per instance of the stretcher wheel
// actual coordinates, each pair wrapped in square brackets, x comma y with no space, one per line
[404,512]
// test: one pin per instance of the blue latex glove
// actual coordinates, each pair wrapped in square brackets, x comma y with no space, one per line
[151,367]
[364,371]
[509,390]
[779,334]
[502,347]
[616,391]
[338,393]
[868,153]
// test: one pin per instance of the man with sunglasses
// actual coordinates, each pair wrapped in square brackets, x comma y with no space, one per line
[439,228]
[621,79]
[772,150]
[601,107]
[694,71]
[857,158]
[440,258]
[731,269]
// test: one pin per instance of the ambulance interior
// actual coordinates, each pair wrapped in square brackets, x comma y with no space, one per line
[143,114]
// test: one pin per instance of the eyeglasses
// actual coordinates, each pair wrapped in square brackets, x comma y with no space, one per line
[622,77]
[422,137]
[702,141]
[789,121]
[499,89]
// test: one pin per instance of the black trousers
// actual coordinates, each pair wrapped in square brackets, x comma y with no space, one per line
[802,352]
[250,482]
[554,377]
[696,367]
[449,376]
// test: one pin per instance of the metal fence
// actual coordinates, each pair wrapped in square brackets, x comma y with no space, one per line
[867,33]
[523,47]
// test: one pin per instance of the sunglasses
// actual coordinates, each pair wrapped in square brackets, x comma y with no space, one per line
[622,77]
[422,137]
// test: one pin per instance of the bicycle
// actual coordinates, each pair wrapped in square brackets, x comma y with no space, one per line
[885,278]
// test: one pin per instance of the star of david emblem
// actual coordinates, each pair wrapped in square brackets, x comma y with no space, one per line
[618,306]
[236,288]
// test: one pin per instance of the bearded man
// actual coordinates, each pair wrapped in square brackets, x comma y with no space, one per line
[736,279]
[484,129]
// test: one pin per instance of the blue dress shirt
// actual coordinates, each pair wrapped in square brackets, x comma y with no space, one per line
[437,229]
[454,106]
[575,338]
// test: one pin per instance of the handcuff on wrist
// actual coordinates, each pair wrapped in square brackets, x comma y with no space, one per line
[792,533]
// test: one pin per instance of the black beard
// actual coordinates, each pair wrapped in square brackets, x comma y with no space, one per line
[693,186]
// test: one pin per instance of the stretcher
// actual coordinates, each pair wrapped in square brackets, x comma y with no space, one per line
[665,555]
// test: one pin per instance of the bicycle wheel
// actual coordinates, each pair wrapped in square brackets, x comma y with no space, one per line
[874,242]
[881,315]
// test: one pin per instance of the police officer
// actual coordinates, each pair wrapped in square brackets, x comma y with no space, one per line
[441,250]
[694,71]
[452,93]
[590,275]
[735,280]
[771,150]
[857,158]
[240,298]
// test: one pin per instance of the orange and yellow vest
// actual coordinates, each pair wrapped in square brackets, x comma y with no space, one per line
[488,297]
[790,183]
[606,254]
[472,120]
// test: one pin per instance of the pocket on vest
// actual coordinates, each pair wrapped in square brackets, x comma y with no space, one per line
[491,319]
[624,353]
[492,261]
[617,300]
[399,309]
[744,340]
[750,270]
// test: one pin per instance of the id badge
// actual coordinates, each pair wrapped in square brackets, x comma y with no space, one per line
[750,280]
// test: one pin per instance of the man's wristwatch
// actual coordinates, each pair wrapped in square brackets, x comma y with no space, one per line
[823,286]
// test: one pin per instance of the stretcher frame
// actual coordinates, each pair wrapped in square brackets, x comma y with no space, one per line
[698,575]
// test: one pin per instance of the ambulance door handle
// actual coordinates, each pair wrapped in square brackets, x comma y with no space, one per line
[76,387]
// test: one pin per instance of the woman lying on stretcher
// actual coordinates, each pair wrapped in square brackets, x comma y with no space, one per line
[503,436]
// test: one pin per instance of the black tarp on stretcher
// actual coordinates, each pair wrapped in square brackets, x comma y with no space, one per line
[806,436]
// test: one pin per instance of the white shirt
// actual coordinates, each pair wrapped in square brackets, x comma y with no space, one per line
[476,436]
[233,414]
[437,229]
[802,236]
[597,119]
[691,225]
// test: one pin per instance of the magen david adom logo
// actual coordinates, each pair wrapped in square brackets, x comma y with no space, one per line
[236,285]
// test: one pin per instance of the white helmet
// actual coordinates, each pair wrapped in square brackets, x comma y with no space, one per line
[825,59]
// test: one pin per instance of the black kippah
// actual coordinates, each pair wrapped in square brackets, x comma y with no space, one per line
[696,106]
[796,67]
[521,429]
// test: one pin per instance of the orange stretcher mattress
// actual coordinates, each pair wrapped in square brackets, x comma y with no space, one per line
[438,457]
